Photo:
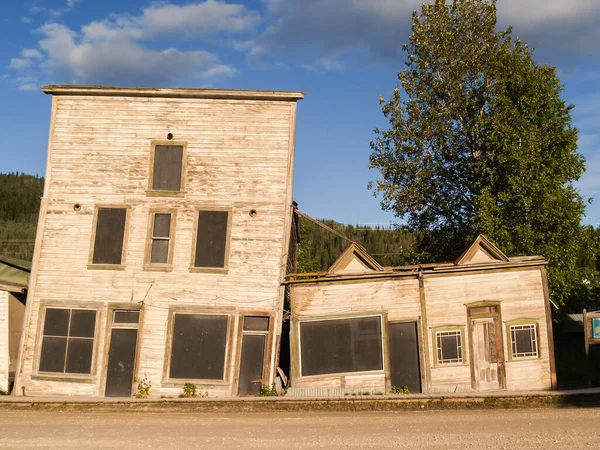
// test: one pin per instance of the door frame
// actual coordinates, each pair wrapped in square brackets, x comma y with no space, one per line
[487,310]
[267,367]
[108,333]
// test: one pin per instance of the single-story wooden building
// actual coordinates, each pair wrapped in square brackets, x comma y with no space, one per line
[480,323]
[14,278]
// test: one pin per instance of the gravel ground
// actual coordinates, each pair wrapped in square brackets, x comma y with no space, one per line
[477,429]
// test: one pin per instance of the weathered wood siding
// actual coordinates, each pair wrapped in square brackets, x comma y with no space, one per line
[398,299]
[519,292]
[239,156]
[4,349]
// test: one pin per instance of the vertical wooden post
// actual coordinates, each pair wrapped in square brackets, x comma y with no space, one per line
[586,341]
[550,334]
[426,387]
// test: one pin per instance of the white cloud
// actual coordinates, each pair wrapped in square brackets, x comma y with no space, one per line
[31,53]
[20,64]
[26,19]
[27,83]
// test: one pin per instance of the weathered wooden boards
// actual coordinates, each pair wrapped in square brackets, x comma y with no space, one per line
[239,156]
[488,302]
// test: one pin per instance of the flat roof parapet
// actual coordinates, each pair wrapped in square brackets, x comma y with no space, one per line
[114,91]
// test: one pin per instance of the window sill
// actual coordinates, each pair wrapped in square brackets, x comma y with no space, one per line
[179,383]
[223,270]
[106,266]
[363,373]
[65,377]
[522,358]
[157,268]
[150,193]
[439,365]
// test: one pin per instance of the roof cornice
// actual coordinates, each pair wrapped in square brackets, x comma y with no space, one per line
[230,94]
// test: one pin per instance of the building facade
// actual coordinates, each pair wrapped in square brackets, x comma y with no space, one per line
[480,323]
[162,242]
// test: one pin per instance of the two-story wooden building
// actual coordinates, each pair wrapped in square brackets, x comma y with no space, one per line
[162,242]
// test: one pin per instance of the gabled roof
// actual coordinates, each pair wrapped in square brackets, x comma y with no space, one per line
[355,259]
[481,251]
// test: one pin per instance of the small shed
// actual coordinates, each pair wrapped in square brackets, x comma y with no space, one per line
[480,323]
[14,279]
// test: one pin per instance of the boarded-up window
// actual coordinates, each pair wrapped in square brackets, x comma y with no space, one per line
[337,346]
[166,175]
[523,340]
[198,348]
[110,233]
[68,341]
[211,239]
[449,347]
[161,238]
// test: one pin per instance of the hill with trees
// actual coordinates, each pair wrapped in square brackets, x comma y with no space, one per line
[19,207]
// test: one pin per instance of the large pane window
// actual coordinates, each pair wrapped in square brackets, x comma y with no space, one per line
[68,341]
[198,347]
[342,345]
[211,239]
[109,236]
[167,168]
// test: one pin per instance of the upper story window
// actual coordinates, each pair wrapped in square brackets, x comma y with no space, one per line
[159,253]
[167,168]
[212,240]
[109,237]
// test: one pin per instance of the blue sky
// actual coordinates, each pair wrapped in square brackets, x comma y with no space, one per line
[343,54]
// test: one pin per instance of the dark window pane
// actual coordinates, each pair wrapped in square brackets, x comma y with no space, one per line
[56,322]
[160,251]
[167,167]
[126,317]
[110,231]
[450,347]
[79,355]
[83,323]
[211,239]
[162,225]
[336,346]
[52,358]
[198,349]
[524,341]
[253,323]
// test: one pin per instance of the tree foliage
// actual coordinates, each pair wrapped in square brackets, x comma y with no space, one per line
[19,206]
[480,141]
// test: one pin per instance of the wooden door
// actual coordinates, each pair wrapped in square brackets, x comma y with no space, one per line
[251,364]
[487,354]
[404,356]
[121,362]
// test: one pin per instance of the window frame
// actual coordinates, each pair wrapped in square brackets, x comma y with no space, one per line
[384,344]
[122,265]
[167,381]
[150,192]
[523,322]
[225,267]
[67,376]
[435,348]
[168,266]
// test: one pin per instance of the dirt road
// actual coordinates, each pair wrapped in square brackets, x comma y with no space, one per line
[476,429]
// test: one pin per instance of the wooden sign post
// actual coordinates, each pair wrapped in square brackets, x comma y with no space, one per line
[591,336]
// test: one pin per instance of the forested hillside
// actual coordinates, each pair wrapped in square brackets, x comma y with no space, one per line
[319,248]
[19,206]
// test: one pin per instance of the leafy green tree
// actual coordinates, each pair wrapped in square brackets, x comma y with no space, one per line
[481,142]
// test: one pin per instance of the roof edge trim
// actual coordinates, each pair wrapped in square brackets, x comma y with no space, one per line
[113,91]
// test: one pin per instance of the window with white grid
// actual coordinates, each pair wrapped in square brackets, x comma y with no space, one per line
[449,347]
[523,339]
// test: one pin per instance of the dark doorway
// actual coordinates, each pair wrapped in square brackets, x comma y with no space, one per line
[251,364]
[121,354]
[404,356]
